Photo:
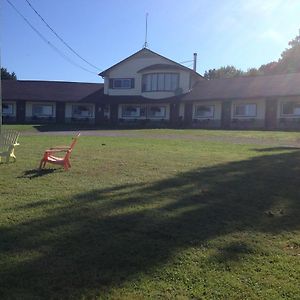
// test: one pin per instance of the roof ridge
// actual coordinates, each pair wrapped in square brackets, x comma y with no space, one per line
[51,81]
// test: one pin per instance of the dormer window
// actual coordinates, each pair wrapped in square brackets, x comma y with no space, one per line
[157,82]
[121,83]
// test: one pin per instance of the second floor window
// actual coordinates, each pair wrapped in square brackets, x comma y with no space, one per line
[156,82]
[121,83]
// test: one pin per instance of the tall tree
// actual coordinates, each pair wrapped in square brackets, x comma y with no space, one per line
[290,58]
[7,75]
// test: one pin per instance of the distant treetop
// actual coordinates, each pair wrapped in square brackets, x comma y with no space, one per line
[7,75]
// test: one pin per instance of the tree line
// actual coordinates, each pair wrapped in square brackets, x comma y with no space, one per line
[289,62]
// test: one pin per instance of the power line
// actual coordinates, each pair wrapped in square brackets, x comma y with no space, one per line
[48,42]
[187,61]
[60,38]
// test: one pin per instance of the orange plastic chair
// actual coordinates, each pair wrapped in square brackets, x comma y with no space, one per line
[62,161]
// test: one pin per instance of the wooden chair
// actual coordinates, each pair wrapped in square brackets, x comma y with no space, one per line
[49,155]
[8,141]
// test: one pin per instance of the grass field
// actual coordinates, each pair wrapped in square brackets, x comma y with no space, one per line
[152,218]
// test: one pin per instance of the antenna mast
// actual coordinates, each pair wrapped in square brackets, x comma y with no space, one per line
[146,33]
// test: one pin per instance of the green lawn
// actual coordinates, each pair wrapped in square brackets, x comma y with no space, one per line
[139,218]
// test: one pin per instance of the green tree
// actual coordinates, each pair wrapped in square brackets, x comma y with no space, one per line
[7,75]
[223,72]
[290,58]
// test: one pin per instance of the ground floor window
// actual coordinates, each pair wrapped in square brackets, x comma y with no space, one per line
[245,110]
[291,108]
[204,111]
[133,111]
[42,110]
[156,111]
[82,111]
[8,109]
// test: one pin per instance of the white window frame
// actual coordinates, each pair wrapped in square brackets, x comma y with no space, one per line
[137,116]
[244,116]
[289,115]
[204,117]
[170,82]
[8,114]
[156,117]
[42,105]
[123,86]
[90,116]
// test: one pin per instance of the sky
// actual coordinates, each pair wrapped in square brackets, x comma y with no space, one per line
[243,33]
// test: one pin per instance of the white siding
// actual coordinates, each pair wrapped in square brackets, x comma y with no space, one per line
[130,68]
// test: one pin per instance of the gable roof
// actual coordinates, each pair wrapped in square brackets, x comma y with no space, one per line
[147,51]
[32,90]
[161,66]
[246,87]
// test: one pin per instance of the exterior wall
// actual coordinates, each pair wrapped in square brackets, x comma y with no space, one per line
[255,122]
[69,118]
[130,68]
[208,122]
[287,121]
[11,117]
[29,116]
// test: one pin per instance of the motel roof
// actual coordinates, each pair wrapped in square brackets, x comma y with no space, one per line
[246,87]
[61,91]
[204,90]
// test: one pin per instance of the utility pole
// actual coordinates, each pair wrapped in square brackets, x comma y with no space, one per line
[0,96]
[0,77]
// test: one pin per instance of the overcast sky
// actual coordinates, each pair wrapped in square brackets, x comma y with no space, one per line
[223,32]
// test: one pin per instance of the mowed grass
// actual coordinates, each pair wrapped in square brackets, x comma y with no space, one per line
[139,218]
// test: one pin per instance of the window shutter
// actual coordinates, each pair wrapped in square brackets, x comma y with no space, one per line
[111,83]
[132,83]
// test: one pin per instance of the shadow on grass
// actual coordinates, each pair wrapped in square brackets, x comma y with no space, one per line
[275,149]
[83,127]
[34,173]
[100,239]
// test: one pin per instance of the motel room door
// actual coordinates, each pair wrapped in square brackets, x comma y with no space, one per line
[226,114]
[271,114]
[174,113]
